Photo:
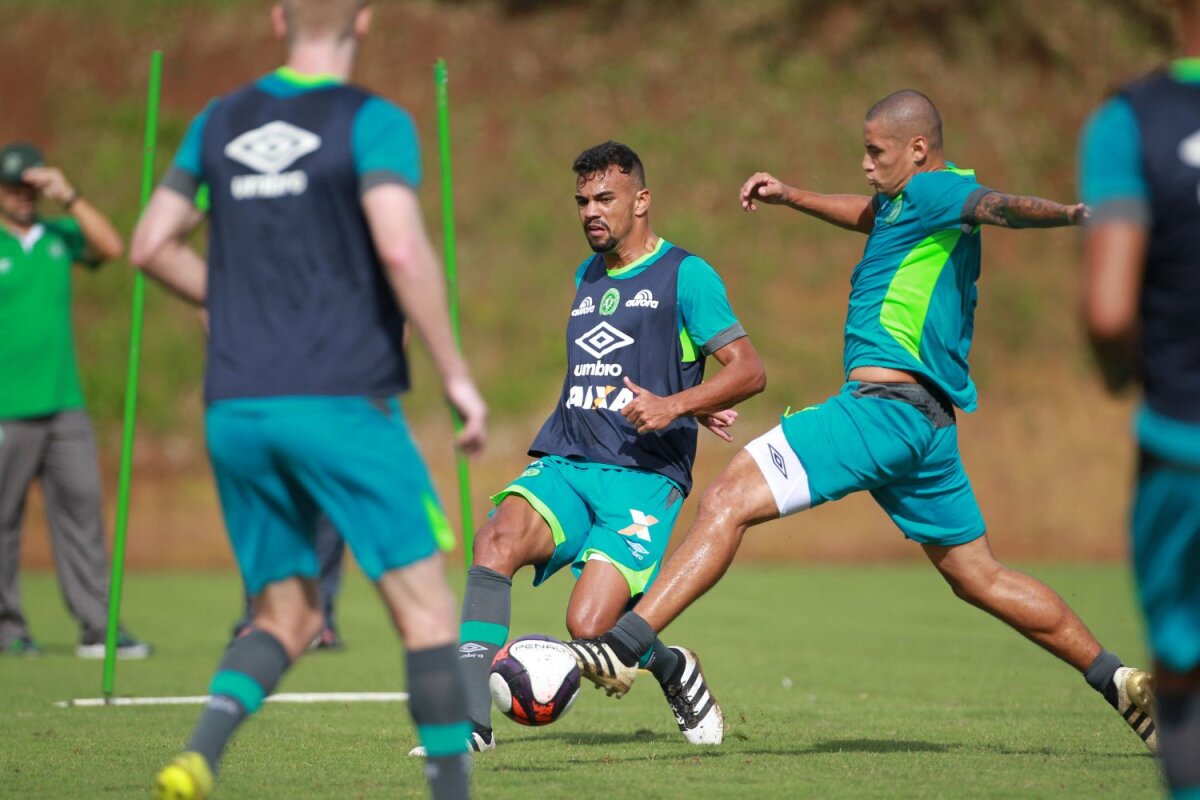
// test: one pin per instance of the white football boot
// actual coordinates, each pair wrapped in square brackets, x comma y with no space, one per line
[600,665]
[1135,702]
[480,741]
[696,710]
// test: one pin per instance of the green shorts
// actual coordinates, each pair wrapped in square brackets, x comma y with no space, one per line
[622,516]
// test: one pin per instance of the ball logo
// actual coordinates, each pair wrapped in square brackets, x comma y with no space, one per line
[603,338]
[609,303]
[643,299]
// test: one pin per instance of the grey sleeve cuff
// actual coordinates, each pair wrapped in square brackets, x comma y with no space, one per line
[730,334]
[180,181]
[1124,209]
[967,217]
[378,177]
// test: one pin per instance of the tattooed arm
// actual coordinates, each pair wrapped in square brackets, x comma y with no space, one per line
[1019,211]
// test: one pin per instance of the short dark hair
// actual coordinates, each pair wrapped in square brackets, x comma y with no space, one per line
[610,154]
[909,113]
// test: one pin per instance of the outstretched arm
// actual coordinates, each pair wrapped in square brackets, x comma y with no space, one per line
[853,212]
[1114,254]
[1019,211]
[742,376]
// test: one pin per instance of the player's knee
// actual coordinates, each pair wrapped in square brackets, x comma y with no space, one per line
[721,502]
[499,546]
[585,624]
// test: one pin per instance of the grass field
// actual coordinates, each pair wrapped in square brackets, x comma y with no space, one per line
[836,682]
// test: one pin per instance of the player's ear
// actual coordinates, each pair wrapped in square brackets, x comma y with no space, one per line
[641,202]
[362,22]
[279,21]
[919,148]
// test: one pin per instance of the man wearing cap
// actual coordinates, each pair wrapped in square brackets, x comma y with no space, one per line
[44,431]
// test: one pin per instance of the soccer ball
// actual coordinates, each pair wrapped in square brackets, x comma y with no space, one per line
[534,680]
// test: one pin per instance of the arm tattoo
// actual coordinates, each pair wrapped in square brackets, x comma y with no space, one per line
[1019,211]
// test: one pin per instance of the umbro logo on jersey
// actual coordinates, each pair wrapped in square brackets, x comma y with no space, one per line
[1189,150]
[586,306]
[270,150]
[777,460]
[643,299]
[641,525]
[602,340]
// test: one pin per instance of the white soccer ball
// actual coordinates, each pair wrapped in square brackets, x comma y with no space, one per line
[534,680]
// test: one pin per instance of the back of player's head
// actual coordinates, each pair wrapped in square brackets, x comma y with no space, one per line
[600,158]
[908,113]
[321,18]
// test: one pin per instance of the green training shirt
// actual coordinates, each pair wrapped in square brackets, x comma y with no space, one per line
[38,374]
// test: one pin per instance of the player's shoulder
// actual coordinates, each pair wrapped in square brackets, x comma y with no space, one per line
[377,110]
[940,179]
[1114,118]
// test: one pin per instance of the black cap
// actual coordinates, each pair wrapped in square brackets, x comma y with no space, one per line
[16,158]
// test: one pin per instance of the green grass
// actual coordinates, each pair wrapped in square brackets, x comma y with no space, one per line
[836,682]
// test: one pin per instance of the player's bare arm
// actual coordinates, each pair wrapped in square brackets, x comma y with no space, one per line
[398,231]
[850,211]
[103,241]
[742,376]
[1020,211]
[160,245]
[1114,255]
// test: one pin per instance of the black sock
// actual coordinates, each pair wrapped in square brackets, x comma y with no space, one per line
[487,605]
[631,638]
[1179,739]
[662,661]
[437,705]
[247,674]
[1100,675]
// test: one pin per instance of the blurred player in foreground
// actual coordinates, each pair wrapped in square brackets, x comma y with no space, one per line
[614,460]
[317,256]
[1140,174]
[891,430]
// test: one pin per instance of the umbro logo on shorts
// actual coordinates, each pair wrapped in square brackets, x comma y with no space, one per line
[777,459]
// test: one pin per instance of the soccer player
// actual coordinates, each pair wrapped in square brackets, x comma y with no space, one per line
[614,460]
[317,255]
[891,428]
[1140,173]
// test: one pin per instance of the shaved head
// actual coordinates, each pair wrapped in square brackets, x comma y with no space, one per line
[321,18]
[907,114]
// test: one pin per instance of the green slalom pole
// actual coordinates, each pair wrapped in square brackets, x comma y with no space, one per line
[131,386]
[451,257]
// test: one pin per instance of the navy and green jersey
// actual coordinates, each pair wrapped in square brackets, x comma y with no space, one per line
[1140,161]
[653,321]
[38,373]
[298,301]
[913,294]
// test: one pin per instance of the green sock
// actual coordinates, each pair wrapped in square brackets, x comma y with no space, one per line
[487,604]
[247,674]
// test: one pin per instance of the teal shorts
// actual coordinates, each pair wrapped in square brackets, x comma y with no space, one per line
[281,461]
[897,441]
[1166,538]
[622,516]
